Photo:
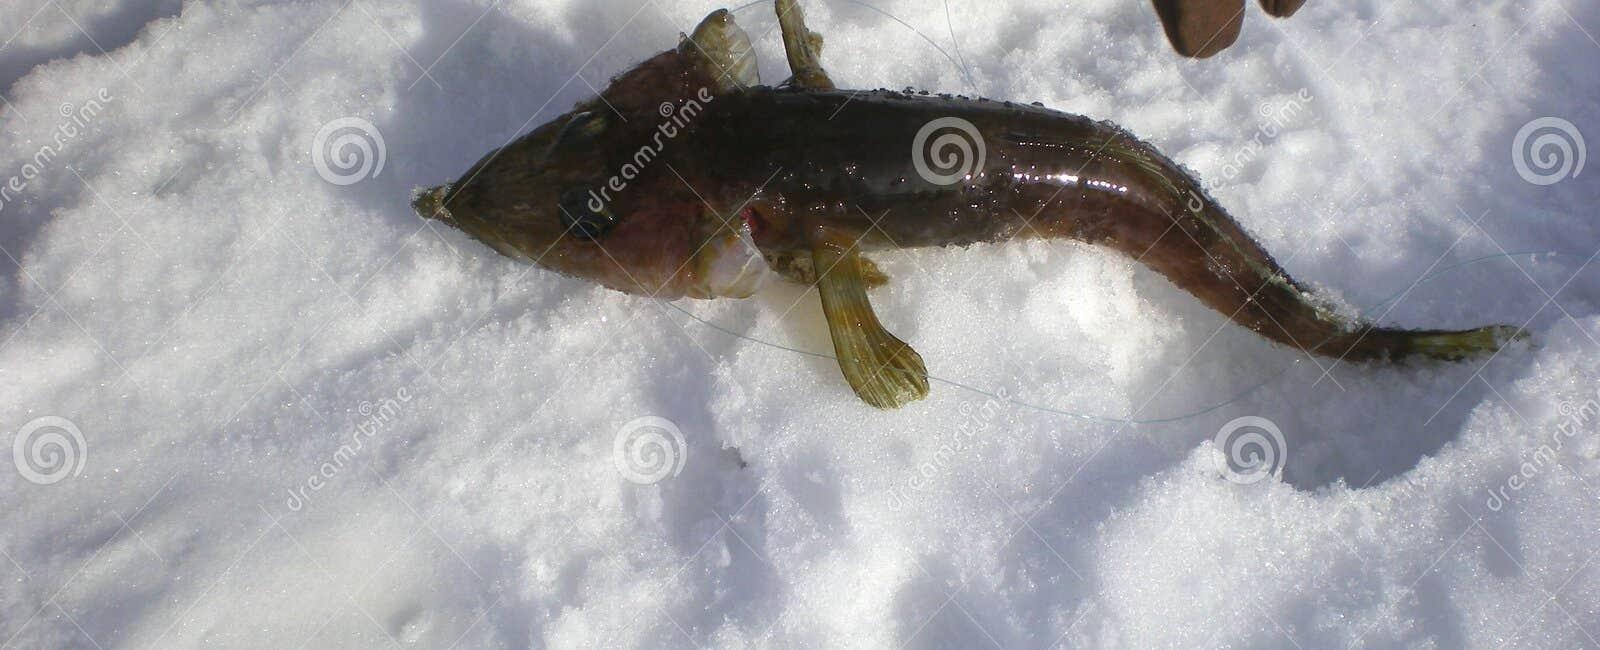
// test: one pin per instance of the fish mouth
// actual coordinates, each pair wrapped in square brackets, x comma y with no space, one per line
[429,203]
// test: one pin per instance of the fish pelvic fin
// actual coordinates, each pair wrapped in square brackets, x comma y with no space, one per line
[883,370]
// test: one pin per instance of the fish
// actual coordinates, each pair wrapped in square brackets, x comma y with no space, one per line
[686,177]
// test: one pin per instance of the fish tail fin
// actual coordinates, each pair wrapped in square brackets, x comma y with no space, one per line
[1200,248]
[1446,345]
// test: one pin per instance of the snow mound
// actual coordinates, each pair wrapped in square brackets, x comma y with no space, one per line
[255,403]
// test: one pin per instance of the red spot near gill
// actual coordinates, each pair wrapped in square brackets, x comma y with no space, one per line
[753,221]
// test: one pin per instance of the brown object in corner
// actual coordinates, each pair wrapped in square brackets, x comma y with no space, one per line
[1281,8]
[1201,28]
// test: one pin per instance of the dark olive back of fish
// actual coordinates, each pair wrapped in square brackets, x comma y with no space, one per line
[926,170]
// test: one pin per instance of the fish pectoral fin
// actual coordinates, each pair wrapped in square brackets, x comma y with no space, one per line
[723,51]
[803,47]
[883,370]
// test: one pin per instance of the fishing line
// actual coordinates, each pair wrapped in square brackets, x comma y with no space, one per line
[960,66]
[1163,420]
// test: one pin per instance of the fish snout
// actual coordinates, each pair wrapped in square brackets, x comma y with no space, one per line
[429,203]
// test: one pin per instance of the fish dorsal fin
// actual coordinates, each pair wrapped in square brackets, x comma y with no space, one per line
[724,51]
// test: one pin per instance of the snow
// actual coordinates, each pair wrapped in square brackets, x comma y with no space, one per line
[305,419]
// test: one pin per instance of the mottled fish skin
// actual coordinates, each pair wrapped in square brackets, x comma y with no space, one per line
[512,198]
[844,159]
[805,178]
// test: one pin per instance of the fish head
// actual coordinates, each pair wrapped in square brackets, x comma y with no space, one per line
[588,194]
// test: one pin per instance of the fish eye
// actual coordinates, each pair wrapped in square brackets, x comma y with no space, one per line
[584,216]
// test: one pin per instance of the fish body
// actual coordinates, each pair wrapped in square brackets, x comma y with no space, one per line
[686,177]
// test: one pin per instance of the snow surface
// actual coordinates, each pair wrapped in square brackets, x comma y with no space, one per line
[216,320]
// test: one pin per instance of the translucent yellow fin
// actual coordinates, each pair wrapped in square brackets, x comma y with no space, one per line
[883,370]
[803,47]
[724,51]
